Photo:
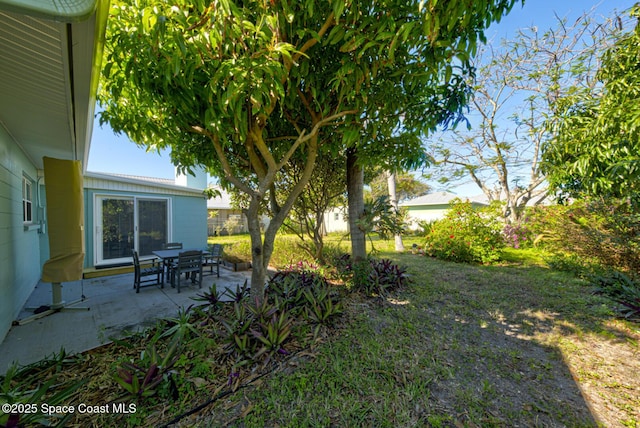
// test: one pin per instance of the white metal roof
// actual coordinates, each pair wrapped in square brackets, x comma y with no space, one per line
[106,181]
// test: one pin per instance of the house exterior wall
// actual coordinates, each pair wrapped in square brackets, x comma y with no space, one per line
[19,244]
[187,211]
[216,223]
[335,220]
[425,213]
[190,221]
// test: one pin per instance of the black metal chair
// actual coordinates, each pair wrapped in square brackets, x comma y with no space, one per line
[189,263]
[150,275]
[214,258]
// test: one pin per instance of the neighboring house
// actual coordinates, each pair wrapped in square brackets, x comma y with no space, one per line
[124,212]
[222,215]
[434,205]
[336,220]
[50,63]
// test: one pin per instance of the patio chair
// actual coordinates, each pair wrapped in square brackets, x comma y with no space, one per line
[166,263]
[148,275]
[189,263]
[214,258]
[172,246]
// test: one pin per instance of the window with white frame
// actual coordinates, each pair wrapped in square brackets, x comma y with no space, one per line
[27,200]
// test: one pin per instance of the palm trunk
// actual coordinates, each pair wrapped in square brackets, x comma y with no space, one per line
[393,199]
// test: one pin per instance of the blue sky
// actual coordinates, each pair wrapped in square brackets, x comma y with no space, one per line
[117,154]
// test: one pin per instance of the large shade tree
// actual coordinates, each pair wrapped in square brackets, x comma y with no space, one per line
[595,151]
[240,87]
[515,96]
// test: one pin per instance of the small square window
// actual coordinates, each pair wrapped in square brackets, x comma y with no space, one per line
[336,216]
[27,200]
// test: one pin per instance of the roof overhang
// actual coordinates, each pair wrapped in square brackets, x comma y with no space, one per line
[51,54]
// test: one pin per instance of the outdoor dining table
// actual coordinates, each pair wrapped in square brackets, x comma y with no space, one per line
[171,255]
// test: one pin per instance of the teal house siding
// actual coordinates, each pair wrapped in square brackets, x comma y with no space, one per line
[50,66]
[20,255]
[190,221]
[186,214]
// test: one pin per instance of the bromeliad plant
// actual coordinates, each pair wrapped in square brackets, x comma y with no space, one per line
[182,327]
[25,386]
[240,294]
[261,310]
[212,298]
[320,306]
[142,380]
[387,276]
[286,288]
[237,339]
[272,334]
[255,331]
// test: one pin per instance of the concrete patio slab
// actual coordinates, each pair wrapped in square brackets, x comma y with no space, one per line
[108,308]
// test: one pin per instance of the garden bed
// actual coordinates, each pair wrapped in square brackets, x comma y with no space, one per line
[465,345]
[236,266]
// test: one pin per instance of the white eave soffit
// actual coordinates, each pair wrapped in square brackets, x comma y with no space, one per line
[58,10]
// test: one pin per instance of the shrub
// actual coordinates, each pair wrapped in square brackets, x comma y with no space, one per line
[606,231]
[373,276]
[517,235]
[623,289]
[465,235]
[288,251]
[571,263]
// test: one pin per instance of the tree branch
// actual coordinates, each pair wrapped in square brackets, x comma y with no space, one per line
[228,175]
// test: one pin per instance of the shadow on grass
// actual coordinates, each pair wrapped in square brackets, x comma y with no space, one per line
[525,345]
[462,346]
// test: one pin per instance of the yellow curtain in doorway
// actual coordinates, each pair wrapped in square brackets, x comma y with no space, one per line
[65,218]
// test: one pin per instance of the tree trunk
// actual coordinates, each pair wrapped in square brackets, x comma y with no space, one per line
[393,199]
[262,247]
[317,237]
[258,268]
[355,195]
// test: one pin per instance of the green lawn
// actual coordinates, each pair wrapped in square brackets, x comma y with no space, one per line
[510,345]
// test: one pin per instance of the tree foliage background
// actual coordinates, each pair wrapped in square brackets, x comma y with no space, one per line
[597,131]
[513,110]
[242,87]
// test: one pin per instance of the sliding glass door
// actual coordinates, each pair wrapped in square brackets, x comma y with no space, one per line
[153,225]
[117,228]
[124,223]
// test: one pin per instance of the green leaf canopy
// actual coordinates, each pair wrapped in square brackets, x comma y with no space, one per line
[240,87]
[598,133]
